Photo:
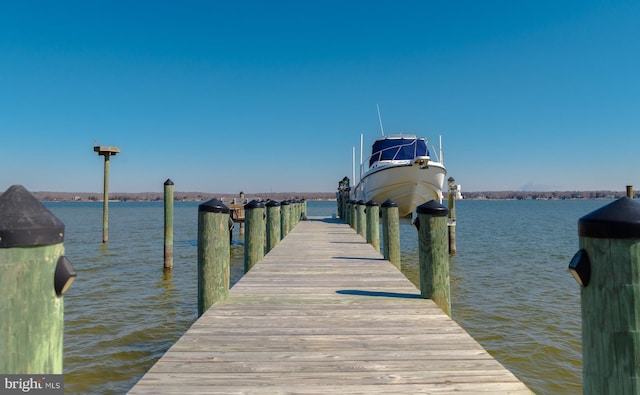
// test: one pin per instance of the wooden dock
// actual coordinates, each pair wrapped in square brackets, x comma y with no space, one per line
[324,313]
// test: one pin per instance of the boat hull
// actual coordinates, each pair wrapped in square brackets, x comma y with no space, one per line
[407,185]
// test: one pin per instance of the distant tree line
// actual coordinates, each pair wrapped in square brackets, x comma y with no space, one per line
[178,196]
[280,196]
[555,195]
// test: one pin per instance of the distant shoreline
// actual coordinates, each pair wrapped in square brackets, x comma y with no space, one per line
[327,196]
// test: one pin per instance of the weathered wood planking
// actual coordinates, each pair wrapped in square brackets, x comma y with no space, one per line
[323,313]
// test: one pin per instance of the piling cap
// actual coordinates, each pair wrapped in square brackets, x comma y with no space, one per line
[25,222]
[389,203]
[360,202]
[168,182]
[432,208]
[214,206]
[285,203]
[272,203]
[617,220]
[372,203]
[253,204]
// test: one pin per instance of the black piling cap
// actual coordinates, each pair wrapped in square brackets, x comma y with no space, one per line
[617,220]
[285,203]
[214,206]
[432,208]
[389,203]
[360,202]
[168,182]
[253,204]
[272,203]
[25,222]
[372,203]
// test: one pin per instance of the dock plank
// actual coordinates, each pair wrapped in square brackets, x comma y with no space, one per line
[324,313]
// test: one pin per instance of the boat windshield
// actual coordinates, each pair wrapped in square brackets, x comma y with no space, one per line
[398,149]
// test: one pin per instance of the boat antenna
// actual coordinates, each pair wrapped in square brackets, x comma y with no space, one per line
[353,165]
[380,120]
[361,137]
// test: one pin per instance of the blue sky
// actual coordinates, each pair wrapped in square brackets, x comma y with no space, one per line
[263,96]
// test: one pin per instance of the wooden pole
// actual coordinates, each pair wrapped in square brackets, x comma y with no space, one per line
[433,254]
[373,224]
[105,201]
[254,217]
[107,152]
[630,191]
[354,215]
[285,211]
[273,224]
[34,275]
[391,232]
[608,266]
[214,254]
[361,219]
[451,204]
[168,224]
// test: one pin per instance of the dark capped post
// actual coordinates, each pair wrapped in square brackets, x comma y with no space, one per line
[254,217]
[373,224]
[273,224]
[433,254]
[607,268]
[391,232]
[34,275]
[168,224]
[214,254]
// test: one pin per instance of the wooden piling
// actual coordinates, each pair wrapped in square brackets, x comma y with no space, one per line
[285,213]
[361,219]
[107,152]
[451,225]
[168,224]
[608,265]
[353,216]
[433,254]
[254,218]
[373,224]
[34,275]
[630,191]
[214,254]
[273,224]
[391,232]
[343,197]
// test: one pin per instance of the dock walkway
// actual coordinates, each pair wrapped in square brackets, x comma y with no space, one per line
[324,313]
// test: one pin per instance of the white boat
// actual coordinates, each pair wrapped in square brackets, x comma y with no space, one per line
[402,169]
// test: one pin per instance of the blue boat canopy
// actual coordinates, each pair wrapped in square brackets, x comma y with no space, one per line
[398,149]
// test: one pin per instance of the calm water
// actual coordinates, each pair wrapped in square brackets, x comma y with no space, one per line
[510,288]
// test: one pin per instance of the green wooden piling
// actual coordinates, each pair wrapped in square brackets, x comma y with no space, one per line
[451,205]
[373,224]
[285,213]
[608,265]
[347,212]
[254,218]
[433,254]
[361,219]
[391,232]
[34,275]
[214,254]
[353,215]
[273,224]
[168,224]
[342,197]
[630,191]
